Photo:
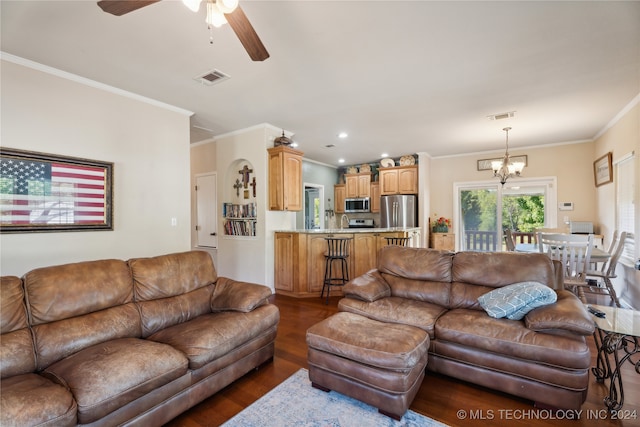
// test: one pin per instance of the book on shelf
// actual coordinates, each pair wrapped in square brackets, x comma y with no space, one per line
[236,227]
[235,210]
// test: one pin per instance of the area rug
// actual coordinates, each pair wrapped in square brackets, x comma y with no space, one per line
[296,403]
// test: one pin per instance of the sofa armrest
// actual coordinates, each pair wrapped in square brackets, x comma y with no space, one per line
[231,295]
[566,314]
[368,287]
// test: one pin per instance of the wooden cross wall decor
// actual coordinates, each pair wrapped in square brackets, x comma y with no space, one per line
[237,186]
[253,184]
[245,171]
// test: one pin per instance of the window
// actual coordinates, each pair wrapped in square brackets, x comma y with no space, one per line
[625,204]
[482,210]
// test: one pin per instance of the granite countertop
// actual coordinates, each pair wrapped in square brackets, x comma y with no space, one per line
[350,230]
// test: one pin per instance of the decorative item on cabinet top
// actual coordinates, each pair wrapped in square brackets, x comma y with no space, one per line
[365,168]
[387,163]
[352,169]
[407,160]
[282,140]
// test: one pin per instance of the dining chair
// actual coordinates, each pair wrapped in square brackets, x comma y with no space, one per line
[574,253]
[607,272]
[508,240]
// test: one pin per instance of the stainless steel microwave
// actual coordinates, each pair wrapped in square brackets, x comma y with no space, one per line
[360,204]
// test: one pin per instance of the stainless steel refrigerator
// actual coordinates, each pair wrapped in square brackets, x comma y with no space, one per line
[398,211]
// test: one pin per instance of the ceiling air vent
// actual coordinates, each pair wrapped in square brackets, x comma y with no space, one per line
[211,77]
[502,116]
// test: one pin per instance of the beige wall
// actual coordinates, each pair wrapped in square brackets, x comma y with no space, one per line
[621,138]
[203,161]
[148,144]
[572,164]
[248,258]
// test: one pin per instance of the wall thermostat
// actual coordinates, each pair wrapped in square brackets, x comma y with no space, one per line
[566,206]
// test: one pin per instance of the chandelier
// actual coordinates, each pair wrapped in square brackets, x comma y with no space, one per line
[505,168]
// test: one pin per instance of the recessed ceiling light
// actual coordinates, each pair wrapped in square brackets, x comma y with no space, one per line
[294,144]
[340,160]
[343,135]
[384,155]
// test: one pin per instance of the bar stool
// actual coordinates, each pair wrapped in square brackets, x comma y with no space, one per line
[337,250]
[398,241]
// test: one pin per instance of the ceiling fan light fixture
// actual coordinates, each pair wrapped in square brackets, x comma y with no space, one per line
[193,5]
[227,6]
[214,16]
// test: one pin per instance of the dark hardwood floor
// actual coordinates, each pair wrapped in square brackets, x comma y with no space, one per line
[447,400]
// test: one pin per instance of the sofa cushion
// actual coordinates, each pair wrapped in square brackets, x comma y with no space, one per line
[516,300]
[496,269]
[165,312]
[13,313]
[211,336]
[415,263]
[473,329]
[170,275]
[109,375]
[567,314]
[238,296]
[57,340]
[405,311]
[64,291]
[370,286]
[31,399]
[16,345]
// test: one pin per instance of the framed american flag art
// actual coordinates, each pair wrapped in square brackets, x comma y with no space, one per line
[45,192]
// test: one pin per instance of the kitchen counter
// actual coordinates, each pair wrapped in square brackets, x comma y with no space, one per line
[352,230]
[300,256]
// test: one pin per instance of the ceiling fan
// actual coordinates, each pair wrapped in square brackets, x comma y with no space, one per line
[232,12]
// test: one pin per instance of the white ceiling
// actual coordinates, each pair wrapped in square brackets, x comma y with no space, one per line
[399,77]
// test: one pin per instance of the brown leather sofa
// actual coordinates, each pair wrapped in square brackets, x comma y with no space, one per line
[135,342]
[544,357]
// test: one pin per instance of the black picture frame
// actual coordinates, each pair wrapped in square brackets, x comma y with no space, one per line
[47,193]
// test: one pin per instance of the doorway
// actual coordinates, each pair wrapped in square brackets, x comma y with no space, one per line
[483,210]
[313,206]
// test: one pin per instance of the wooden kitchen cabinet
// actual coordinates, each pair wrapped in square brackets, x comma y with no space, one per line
[357,185]
[339,193]
[442,241]
[375,197]
[300,259]
[284,267]
[366,248]
[399,180]
[285,179]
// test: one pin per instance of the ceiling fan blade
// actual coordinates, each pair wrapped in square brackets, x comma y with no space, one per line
[121,7]
[247,35]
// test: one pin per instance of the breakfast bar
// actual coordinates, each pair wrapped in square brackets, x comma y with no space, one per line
[300,256]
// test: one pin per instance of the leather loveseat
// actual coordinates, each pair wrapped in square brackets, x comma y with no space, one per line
[136,342]
[544,357]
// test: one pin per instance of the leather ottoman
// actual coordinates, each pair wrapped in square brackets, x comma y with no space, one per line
[381,364]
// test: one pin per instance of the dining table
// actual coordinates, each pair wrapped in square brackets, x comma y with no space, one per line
[597,254]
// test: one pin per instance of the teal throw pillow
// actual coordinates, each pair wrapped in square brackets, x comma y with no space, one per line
[515,301]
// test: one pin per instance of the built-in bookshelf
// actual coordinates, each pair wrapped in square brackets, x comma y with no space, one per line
[239,219]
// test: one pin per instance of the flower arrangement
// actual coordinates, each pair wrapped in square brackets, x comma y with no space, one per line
[441,225]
